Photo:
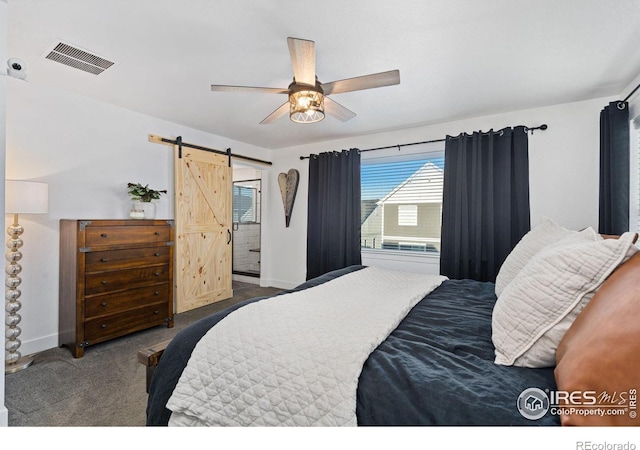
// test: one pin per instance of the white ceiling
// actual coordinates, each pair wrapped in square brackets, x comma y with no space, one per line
[457,58]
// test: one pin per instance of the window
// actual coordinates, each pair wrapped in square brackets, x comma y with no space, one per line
[402,203]
[245,202]
[408,215]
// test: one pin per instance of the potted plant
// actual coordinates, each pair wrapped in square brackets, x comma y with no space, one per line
[142,197]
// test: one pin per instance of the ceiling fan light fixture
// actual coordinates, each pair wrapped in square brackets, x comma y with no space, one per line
[306,106]
[306,95]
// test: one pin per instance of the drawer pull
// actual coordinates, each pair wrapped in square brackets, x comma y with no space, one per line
[104,325]
[103,259]
[156,293]
[104,282]
[103,235]
[156,254]
[156,312]
[157,274]
[104,304]
[157,233]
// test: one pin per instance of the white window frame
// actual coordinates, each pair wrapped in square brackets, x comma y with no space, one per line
[404,259]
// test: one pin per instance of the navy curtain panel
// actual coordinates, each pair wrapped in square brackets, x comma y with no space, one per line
[485,205]
[614,169]
[333,215]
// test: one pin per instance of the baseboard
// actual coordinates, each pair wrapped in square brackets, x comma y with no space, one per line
[39,345]
[278,284]
[4,416]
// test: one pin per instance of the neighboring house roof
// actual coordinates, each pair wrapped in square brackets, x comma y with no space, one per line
[366,208]
[424,186]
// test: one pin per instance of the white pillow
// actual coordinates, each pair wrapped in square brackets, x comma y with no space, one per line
[540,304]
[545,233]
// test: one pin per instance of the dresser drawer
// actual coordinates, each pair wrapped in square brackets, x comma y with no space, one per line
[98,236]
[103,282]
[122,259]
[107,327]
[116,302]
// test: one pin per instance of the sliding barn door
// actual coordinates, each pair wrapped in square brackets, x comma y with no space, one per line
[203,193]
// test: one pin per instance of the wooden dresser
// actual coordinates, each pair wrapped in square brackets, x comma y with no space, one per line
[116,277]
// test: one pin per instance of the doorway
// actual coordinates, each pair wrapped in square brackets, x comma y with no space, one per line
[247,192]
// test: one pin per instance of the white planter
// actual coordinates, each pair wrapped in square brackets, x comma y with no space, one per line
[143,210]
[149,209]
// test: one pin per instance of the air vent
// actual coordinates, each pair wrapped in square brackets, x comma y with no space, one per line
[79,59]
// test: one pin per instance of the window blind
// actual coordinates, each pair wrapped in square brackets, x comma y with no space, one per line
[401,203]
[244,204]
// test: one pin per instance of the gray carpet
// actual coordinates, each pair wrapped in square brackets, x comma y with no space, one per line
[104,388]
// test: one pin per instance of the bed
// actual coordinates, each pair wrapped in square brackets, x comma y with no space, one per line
[437,364]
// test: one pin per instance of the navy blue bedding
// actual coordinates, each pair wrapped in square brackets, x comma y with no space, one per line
[436,368]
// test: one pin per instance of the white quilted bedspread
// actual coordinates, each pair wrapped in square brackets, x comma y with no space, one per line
[294,360]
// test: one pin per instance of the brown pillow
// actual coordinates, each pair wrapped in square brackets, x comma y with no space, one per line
[600,353]
[615,236]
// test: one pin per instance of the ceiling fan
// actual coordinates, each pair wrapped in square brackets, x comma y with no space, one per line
[307,97]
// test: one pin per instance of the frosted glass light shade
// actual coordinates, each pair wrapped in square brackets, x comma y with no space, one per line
[26,197]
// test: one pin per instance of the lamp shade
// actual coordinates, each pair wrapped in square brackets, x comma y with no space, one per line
[26,197]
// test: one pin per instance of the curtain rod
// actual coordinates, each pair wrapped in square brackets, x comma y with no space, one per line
[621,104]
[631,93]
[526,129]
[154,138]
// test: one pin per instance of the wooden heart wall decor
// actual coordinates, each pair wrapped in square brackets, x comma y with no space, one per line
[288,187]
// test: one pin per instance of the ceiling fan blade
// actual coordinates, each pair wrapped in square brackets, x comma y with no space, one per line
[364,82]
[261,90]
[303,60]
[337,110]
[281,111]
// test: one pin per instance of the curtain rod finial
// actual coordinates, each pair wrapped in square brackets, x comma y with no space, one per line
[532,129]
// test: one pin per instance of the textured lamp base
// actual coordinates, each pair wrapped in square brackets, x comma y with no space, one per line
[19,365]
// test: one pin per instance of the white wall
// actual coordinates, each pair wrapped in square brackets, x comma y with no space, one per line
[4,416]
[563,179]
[283,249]
[86,151]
